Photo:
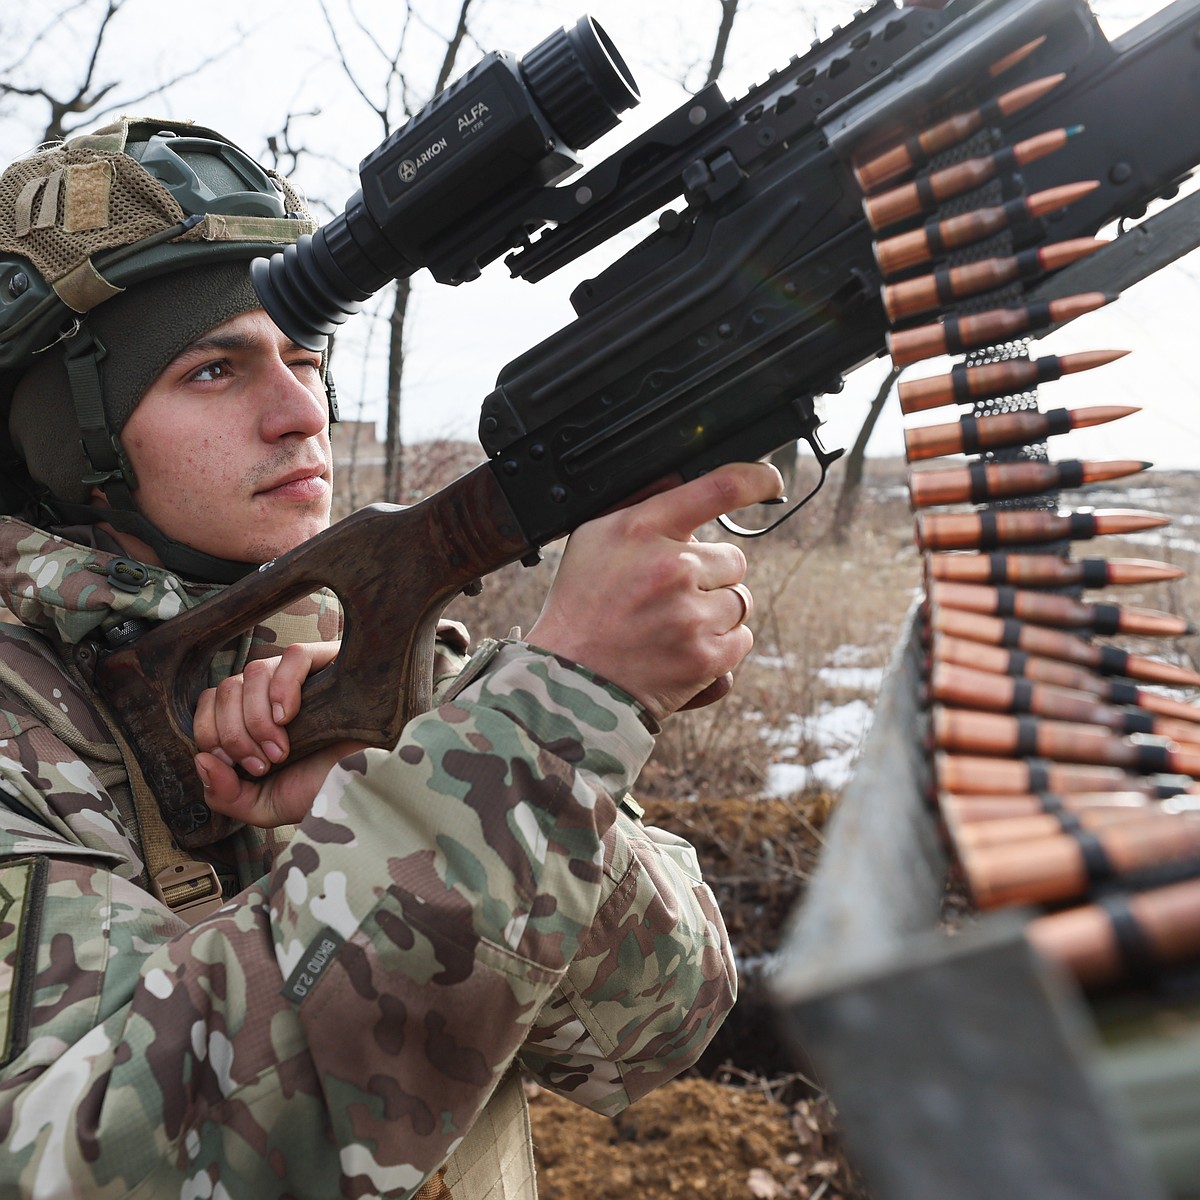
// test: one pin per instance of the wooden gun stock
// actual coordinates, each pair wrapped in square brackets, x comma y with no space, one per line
[394,570]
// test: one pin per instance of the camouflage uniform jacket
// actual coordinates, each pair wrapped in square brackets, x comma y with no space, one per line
[480,894]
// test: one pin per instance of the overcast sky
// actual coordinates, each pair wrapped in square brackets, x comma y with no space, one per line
[275,57]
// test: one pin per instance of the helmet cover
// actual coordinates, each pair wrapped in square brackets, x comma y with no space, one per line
[143,232]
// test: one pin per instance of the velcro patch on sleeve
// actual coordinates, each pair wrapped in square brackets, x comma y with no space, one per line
[22,893]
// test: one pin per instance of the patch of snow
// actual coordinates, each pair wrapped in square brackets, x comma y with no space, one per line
[863,679]
[848,655]
[775,662]
[837,734]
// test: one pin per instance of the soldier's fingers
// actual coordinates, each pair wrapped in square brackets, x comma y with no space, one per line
[245,800]
[233,738]
[297,663]
[718,564]
[222,784]
[204,721]
[717,690]
[257,682]
[282,799]
[678,512]
[737,599]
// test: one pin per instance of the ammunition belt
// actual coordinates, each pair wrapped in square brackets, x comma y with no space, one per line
[1065,771]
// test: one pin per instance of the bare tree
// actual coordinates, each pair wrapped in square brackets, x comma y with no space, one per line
[82,98]
[286,153]
[852,474]
[716,64]
[396,92]
[785,457]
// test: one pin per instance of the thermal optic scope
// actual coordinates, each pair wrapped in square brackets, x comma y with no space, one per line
[451,189]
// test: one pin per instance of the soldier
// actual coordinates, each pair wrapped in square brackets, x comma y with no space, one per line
[338,1007]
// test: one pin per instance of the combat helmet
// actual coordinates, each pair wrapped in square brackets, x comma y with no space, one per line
[94,233]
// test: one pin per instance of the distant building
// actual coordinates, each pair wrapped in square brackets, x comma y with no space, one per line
[358,466]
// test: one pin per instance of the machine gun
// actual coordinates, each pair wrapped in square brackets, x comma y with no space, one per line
[707,343]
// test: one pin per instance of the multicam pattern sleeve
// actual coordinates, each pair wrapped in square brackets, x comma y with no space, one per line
[653,976]
[335,1029]
[652,982]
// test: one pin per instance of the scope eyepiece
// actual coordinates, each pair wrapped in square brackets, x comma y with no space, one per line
[457,185]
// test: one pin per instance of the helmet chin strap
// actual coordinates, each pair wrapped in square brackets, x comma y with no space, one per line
[175,556]
[112,473]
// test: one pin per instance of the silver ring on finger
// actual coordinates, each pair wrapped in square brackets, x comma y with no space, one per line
[743,594]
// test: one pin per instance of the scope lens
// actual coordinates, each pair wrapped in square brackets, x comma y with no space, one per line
[580,81]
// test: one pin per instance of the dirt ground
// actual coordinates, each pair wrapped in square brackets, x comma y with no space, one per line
[692,1138]
[745,1123]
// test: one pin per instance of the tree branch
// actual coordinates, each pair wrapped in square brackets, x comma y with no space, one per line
[345,64]
[852,479]
[41,35]
[113,7]
[452,47]
[89,99]
[716,64]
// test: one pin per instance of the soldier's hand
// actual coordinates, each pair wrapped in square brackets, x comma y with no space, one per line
[243,721]
[640,601]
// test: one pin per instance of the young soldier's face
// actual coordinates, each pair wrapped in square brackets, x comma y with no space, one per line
[230,444]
